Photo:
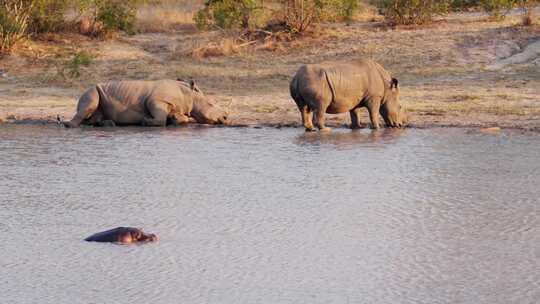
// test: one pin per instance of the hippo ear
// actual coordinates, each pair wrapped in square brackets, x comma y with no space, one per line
[394,83]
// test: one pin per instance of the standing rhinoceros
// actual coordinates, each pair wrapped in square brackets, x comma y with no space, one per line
[147,103]
[346,86]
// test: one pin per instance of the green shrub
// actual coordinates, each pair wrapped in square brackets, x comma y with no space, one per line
[299,15]
[113,15]
[228,14]
[73,66]
[296,15]
[498,8]
[458,5]
[412,11]
[336,10]
[14,17]
[349,8]
[47,15]
[117,15]
[202,19]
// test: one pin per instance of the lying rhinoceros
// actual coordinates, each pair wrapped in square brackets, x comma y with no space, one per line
[347,86]
[147,103]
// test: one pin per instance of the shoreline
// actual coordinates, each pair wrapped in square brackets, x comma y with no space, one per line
[335,123]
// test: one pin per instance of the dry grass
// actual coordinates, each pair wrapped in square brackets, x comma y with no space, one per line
[368,13]
[224,47]
[266,108]
[167,15]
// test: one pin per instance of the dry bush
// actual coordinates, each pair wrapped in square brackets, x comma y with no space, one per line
[498,9]
[90,27]
[412,12]
[230,14]
[14,17]
[224,47]
[527,6]
[368,13]
[527,20]
[47,15]
[300,14]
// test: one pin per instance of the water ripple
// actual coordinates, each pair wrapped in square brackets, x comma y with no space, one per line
[270,216]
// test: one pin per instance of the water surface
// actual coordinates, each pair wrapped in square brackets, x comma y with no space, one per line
[270,216]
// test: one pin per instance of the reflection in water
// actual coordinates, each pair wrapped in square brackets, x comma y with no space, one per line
[348,139]
[270,216]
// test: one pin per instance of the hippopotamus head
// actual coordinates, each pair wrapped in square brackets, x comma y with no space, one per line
[205,111]
[123,235]
[137,235]
[391,110]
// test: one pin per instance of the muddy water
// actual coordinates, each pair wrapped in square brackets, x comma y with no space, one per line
[270,216]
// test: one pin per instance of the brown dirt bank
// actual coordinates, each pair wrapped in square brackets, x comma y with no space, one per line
[288,120]
[442,71]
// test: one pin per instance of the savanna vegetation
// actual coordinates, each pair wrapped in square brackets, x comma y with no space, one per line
[244,52]
[24,18]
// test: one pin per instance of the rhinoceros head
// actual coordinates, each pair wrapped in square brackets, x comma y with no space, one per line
[393,114]
[205,111]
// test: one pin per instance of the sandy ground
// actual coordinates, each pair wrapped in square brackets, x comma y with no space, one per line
[444,71]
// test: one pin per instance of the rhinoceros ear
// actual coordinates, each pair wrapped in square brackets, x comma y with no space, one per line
[394,83]
[194,86]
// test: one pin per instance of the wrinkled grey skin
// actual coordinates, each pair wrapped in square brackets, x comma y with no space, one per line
[147,103]
[347,87]
[122,235]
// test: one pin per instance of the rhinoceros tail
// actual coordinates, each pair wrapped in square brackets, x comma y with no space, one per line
[293,88]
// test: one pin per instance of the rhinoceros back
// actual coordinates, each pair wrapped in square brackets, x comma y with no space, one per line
[134,94]
[343,85]
[130,92]
[352,82]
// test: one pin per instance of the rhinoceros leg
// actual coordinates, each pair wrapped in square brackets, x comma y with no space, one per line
[108,123]
[95,119]
[373,106]
[88,104]
[159,111]
[318,114]
[355,118]
[177,119]
[307,115]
